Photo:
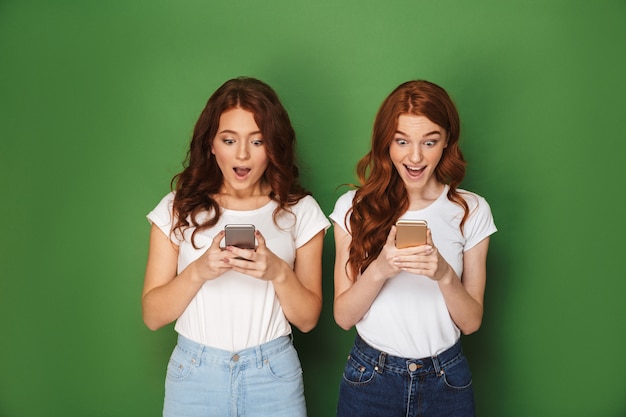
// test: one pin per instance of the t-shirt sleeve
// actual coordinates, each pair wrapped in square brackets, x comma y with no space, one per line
[480,223]
[342,206]
[311,220]
[161,216]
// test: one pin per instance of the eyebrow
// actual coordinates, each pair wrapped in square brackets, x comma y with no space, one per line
[434,132]
[257,132]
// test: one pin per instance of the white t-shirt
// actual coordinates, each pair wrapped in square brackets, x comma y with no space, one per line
[409,317]
[237,311]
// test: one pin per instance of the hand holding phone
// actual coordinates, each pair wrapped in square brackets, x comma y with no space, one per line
[410,233]
[240,235]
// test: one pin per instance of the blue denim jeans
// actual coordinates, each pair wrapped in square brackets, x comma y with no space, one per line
[377,384]
[261,381]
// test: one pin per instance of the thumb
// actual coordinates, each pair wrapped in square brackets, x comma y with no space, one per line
[429,238]
[391,237]
[260,238]
[215,244]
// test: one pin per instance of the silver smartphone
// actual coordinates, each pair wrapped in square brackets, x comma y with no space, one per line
[410,233]
[240,235]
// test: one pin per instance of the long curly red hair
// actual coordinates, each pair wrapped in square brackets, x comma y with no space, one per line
[201,177]
[382,198]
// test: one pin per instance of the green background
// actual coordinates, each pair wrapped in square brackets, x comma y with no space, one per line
[97,105]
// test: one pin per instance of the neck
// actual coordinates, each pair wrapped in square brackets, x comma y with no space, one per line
[423,197]
[247,199]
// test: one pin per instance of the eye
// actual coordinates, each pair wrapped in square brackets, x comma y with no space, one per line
[228,141]
[401,141]
[430,143]
[257,142]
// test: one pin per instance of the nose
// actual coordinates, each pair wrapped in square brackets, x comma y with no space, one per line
[415,154]
[243,152]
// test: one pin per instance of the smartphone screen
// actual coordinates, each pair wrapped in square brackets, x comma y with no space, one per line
[410,233]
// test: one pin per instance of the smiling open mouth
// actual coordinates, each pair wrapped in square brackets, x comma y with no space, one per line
[414,172]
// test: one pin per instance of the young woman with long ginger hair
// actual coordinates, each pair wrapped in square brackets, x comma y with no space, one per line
[410,305]
[234,307]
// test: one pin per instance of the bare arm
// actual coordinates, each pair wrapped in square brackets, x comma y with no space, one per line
[464,297]
[354,297]
[299,290]
[166,295]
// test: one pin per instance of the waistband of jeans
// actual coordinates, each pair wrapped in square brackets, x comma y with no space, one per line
[382,360]
[259,352]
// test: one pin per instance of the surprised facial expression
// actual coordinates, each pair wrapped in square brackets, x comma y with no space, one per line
[240,151]
[416,150]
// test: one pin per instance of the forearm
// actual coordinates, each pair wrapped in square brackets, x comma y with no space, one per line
[465,310]
[301,306]
[351,305]
[165,304]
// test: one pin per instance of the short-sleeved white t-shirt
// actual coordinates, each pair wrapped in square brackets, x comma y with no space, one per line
[409,317]
[237,311]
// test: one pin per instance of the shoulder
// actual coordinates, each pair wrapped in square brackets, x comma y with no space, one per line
[164,207]
[474,201]
[307,209]
[168,198]
[162,215]
[306,202]
[309,220]
[342,207]
[346,199]
[480,222]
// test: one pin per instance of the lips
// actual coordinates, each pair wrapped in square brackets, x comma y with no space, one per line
[241,171]
[414,171]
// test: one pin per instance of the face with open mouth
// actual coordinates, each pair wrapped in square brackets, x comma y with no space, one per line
[416,150]
[240,152]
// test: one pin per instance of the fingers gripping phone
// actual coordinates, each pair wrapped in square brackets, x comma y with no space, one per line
[240,235]
[410,233]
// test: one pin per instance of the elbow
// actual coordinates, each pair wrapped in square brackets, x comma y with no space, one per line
[342,322]
[345,327]
[342,317]
[308,325]
[150,315]
[151,324]
[470,328]
[308,322]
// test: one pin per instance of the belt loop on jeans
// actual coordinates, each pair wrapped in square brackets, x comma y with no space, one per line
[259,357]
[381,362]
[437,365]
[199,352]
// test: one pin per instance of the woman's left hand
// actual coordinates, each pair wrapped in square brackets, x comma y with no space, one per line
[424,260]
[260,263]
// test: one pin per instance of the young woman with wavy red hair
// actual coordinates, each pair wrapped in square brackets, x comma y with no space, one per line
[234,307]
[410,305]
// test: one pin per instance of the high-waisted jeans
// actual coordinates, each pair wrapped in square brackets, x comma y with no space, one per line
[377,384]
[261,381]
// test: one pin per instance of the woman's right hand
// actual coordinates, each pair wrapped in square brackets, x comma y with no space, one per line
[166,293]
[355,295]
[385,262]
[211,264]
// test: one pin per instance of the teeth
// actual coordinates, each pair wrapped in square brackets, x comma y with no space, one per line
[414,169]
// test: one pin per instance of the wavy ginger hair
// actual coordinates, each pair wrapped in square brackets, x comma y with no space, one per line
[202,178]
[382,197]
